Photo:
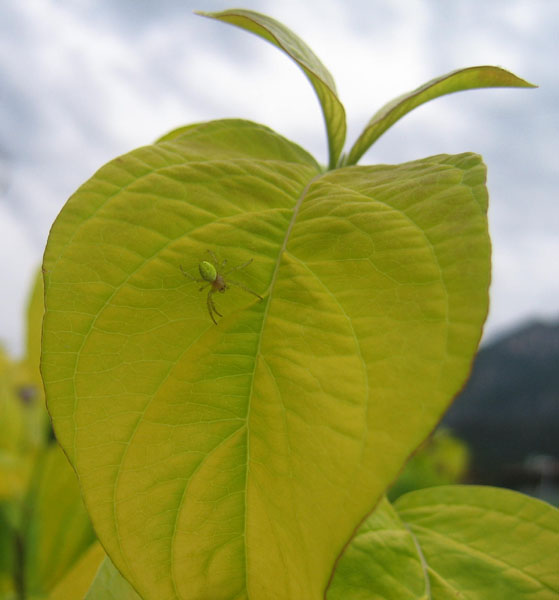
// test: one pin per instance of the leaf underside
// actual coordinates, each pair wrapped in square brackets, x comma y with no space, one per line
[235,460]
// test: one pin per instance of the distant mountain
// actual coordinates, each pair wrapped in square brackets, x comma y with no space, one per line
[509,408]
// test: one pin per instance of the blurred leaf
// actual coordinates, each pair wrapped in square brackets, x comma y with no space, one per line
[472,542]
[322,81]
[456,81]
[20,431]
[8,554]
[78,579]
[12,425]
[15,470]
[35,311]
[58,529]
[441,460]
[235,459]
[24,422]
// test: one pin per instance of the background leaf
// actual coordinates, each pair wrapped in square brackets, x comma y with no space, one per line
[381,562]
[35,312]
[236,460]
[109,584]
[456,81]
[471,542]
[57,529]
[8,553]
[78,579]
[320,78]
[441,460]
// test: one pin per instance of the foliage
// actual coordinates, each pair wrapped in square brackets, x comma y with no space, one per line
[44,528]
[237,459]
[441,460]
[453,542]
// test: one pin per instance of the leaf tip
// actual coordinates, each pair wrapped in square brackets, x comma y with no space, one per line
[526,84]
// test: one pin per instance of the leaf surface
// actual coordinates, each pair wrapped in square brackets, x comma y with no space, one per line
[456,81]
[320,78]
[235,460]
[449,542]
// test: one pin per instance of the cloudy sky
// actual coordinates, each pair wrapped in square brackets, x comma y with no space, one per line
[82,81]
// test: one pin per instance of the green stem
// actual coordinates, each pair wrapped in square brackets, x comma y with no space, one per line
[19,556]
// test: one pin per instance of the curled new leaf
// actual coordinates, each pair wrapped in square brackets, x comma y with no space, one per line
[322,81]
[456,81]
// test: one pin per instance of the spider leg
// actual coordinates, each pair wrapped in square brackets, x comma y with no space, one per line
[243,287]
[214,259]
[217,263]
[211,306]
[189,275]
[246,264]
[215,309]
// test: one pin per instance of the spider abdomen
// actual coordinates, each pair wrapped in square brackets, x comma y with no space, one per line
[208,272]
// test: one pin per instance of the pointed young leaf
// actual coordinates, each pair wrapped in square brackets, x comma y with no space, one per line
[235,459]
[456,81]
[453,542]
[321,79]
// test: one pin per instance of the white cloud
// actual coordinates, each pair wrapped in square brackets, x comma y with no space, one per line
[84,81]
[17,270]
[525,281]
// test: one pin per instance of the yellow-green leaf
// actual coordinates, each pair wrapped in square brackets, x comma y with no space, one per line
[235,460]
[456,81]
[320,78]
[381,562]
[452,542]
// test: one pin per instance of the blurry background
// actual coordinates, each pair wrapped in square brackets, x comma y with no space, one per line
[82,81]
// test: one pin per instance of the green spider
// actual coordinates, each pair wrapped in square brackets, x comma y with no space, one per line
[211,275]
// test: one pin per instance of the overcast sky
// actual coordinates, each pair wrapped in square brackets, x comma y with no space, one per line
[82,81]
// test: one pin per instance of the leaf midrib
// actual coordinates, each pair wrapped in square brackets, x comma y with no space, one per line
[258,353]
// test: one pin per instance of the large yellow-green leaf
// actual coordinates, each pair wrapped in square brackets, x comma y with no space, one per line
[456,81]
[452,542]
[235,460]
[322,81]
